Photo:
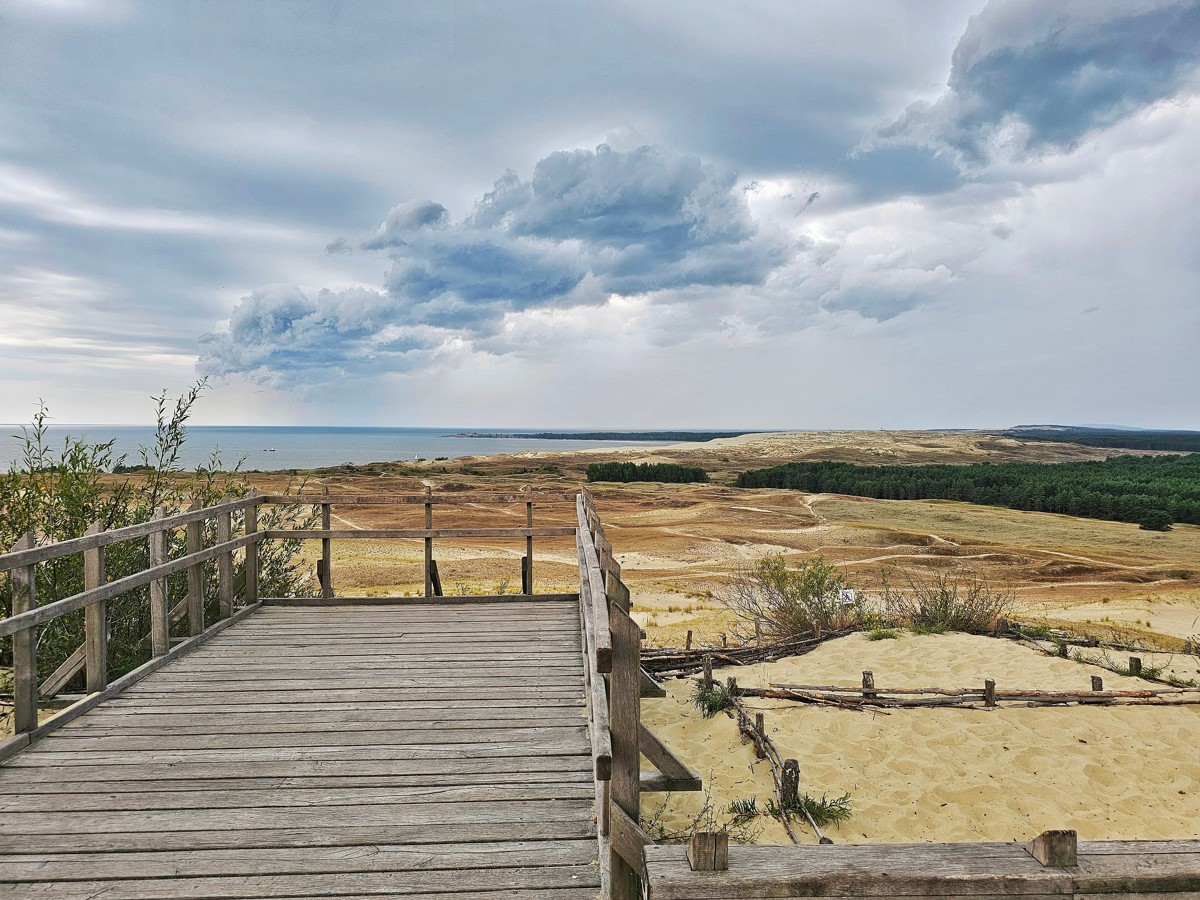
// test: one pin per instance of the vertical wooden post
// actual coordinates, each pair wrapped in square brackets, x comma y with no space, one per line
[251,568]
[428,541]
[327,549]
[195,576]
[708,679]
[529,546]
[95,619]
[989,692]
[789,785]
[25,676]
[708,851]
[758,632]
[625,717]
[687,642]
[160,626]
[1097,683]
[1135,665]
[868,686]
[225,564]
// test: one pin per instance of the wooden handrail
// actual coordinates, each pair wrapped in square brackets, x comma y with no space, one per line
[113,589]
[313,534]
[315,499]
[43,553]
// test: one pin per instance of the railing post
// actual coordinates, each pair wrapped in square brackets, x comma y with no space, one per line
[251,565]
[25,676]
[428,541]
[160,625]
[625,715]
[95,618]
[195,575]
[326,548]
[225,564]
[528,585]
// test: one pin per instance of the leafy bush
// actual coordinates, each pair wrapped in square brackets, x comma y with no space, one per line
[627,472]
[58,495]
[826,811]
[788,603]
[948,602]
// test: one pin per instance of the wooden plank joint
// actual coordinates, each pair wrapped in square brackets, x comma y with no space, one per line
[709,851]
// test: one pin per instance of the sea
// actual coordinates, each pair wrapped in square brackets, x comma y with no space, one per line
[271,448]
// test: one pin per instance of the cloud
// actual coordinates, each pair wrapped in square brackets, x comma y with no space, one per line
[588,225]
[1030,78]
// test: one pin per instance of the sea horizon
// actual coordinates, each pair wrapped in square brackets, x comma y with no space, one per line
[277,447]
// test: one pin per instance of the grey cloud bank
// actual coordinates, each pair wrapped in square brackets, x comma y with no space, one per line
[770,215]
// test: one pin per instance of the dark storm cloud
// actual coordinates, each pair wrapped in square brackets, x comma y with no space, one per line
[1030,77]
[637,222]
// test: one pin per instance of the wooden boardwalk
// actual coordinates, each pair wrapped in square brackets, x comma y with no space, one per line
[416,749]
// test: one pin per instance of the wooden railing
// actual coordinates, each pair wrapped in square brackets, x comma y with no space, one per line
[92,656]
[611,639]
[235,597]
[615,684]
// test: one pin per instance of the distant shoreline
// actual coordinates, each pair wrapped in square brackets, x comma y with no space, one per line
[677,436]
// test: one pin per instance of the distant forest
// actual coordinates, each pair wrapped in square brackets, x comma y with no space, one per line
[1152,491]
[1181,441]
[627,471]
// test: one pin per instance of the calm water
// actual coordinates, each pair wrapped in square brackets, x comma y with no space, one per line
[302,447]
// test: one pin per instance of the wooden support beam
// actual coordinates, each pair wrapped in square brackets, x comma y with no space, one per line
[650,687]
[672,768]
[428,541]
[709,851]
[95,618]
[1055,848]
[989,693]
[616,591]
[435,578]
[64,673]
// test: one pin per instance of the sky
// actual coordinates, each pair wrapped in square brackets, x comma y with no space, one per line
[612,213]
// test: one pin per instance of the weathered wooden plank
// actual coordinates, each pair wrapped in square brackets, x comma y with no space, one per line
[140,821]
[24,643]
[458,857]
[49,771]
[95,618]
[21,742]
[482,881]
[625,715]
[261,798]
[97,726]
[908,870]
[303,738]
[54,790]
[342,836]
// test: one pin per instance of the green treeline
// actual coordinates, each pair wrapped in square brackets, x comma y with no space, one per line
[1178,441]
[1123,488]
[627,471]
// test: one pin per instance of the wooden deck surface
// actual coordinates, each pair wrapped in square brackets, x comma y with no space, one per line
[357,751]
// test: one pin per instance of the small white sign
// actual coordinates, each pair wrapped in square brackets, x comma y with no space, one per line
[847,596]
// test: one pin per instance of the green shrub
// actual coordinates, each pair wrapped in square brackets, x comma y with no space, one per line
[788,603]
[59,494]
[712,700]
[948,602]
